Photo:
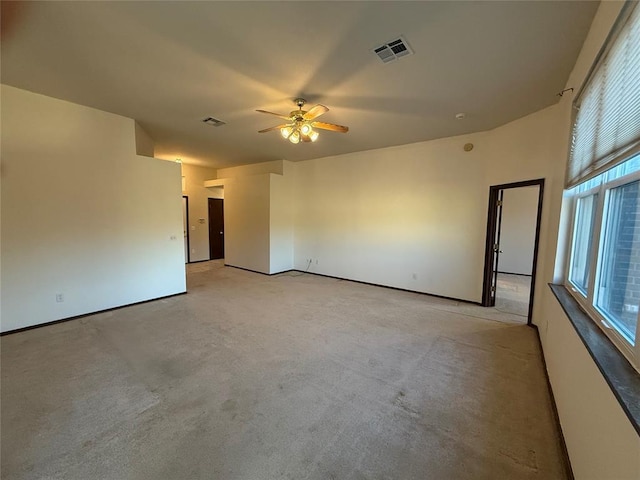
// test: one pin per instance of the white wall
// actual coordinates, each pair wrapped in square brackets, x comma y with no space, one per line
[600,440]
[275,166]
[415,216]
[411,217]
[529,148]
[518,230]
[281,220]
[194,178]
[258,213]
[247,218]
[144,143]
[82,214]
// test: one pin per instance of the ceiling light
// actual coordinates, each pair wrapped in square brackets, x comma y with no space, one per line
[301,123]
[299,131]
[286,132]
[306,129]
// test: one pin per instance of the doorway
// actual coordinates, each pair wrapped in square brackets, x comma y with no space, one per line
[185,227]
[511,251]
[216,228]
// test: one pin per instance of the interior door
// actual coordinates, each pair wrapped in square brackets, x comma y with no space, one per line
[216,228]
[493,241]
[496,250]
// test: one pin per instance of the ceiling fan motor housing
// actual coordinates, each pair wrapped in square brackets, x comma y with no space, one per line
[297,115]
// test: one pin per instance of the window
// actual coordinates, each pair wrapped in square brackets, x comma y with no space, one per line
[618,287]
[604,261]
[603,182]
[583,236]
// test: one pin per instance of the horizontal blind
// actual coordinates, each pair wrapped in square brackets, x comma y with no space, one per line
[607,123]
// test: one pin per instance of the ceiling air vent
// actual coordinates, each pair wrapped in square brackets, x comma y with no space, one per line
[213,121]
[393,50]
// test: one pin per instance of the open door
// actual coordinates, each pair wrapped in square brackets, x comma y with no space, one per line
[496,250]
[492,249]
[492,246]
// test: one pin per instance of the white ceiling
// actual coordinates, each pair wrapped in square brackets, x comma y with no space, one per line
[170,64]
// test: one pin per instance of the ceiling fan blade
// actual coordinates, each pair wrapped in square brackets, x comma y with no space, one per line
[330,126]
[315,111]
[276,114]
[277,127]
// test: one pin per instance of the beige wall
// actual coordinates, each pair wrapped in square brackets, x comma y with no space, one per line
[144,143]
[530,148]
[82,214]
[258,213]
[198,194]
[601,442]
[281,220]
[275,166]
[415,216]
[410,217]
[247,218]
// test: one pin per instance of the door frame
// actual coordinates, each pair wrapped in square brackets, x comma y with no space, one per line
[492,219]
[188,259]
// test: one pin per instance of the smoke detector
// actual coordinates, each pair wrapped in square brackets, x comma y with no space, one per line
[393,50]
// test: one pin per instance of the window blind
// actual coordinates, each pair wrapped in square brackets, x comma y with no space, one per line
[607,119]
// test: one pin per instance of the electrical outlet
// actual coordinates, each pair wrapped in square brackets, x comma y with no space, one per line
[59,297]
[193,250]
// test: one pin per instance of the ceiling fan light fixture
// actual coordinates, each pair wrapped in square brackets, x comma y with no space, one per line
[306,129]
[286,132]
[301,125]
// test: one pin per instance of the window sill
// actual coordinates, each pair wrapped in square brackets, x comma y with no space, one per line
[622,378]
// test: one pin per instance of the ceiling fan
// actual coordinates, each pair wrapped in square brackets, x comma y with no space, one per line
[300,123]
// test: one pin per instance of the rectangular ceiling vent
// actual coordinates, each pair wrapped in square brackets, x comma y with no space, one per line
[213,121]
[393,50]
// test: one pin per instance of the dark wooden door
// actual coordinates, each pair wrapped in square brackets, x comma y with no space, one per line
[496,250]
[216,228]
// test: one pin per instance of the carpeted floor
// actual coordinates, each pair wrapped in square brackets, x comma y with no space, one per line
[293,376]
